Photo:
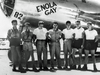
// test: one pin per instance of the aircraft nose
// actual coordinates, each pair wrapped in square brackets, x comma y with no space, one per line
[7,6]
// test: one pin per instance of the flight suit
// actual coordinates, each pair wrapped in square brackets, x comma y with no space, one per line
[28,38]
[14,39]
[55,46]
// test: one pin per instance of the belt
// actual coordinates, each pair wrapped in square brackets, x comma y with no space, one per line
[27,41]
[41,40]
[78,38]
[54,40]
[68,39]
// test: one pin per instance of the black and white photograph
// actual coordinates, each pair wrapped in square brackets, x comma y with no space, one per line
[49,37]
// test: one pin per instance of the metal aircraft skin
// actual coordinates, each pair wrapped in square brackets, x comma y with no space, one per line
[52,10]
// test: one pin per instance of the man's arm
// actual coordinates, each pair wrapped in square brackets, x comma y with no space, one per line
[12,1]
[73,36]
[60,33]
[96,36]
[34,39]
[84,38]
[48,35]
[9,35]
[21,28]
[63,36]
[22,36]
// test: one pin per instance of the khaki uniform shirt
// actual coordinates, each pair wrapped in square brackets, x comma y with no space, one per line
[14,37]
[55,35]
[27,36]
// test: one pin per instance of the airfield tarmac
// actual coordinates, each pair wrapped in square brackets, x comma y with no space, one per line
[5,69]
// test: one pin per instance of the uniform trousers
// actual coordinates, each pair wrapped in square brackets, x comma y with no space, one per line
[67,49]
[16,54]
[42,48]
[55,51]
[15,50]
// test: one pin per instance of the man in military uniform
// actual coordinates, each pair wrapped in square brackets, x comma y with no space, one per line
[68,34]
[28,39]
[55,35]
[41,45]
[78,43]
[15,40]
[90,39]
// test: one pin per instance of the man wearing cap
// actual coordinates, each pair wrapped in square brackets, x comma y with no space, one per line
[54,36]
[28,39]
[41,45]
[14,37]
[67,46]
[78,42]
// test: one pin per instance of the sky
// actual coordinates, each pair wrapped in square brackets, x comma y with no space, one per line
[4,25]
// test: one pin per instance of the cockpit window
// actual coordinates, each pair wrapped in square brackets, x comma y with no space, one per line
[8,6]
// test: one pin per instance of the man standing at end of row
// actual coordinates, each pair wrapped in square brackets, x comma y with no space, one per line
[14,37]
[90,44]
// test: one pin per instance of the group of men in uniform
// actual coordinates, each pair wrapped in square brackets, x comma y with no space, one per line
[73,40]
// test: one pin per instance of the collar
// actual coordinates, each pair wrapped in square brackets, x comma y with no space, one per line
[68,28]
[79,27]
[14,28]
[27,30]
[90,30]
[39,28]
[55,30]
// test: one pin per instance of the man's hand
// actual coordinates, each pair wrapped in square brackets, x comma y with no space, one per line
[34,43]
[97,38]
[82,46]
